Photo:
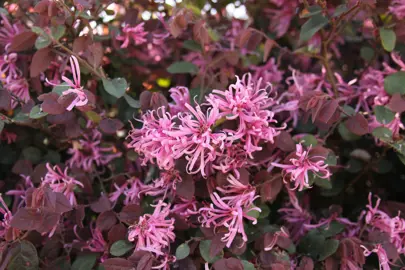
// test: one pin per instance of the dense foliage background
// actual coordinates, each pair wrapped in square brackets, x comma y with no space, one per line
[197,134]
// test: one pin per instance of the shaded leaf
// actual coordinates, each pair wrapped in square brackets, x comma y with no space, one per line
[383,115]
[132,102]
[85,261]
[395,83]
[357,124]
[382,133]
[120,248]
[182,251]
[205,251]
[115,87]
[388,38]
[23,41]
[110,126]
[313,25]
[182,67]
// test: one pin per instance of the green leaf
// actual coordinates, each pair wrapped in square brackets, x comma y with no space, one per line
[182,67]
[395,83]
[384,166]
[329,248]
[38,30]
[182,251]
[4,11]
[340,10]
[192,45]
[367,53]
[59,89]
[265,211]
[52,157]
[322,183]
[58,31]
[383,115]
[382,133]
[313,25]
[346,134]
[309,140]
[120,248]
[85,262]
[388,38]
[2,124]
[132,102]
[205,252]
[115,87]
[311,11]
[37,113]
[42,42]
[248,265]
[332,229]
[399,146]
[32,154]
[312,243]
[93,116]
[331,159]
[24,256]
[253,213]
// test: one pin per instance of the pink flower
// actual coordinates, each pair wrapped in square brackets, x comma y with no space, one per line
[248,103]
[164,185]
[137,33]
[8,31]
[397,7]
[301,165]
[233,158]
[18,87]
[283,233]
[154,231]
[281,18]
[230,216]
[152,141]
[269,73]
[6,231]
[395,125]
[10,137]
[236,192]
[394,227]
[19,191]
[8,67]
[87,152]
[382,256]
[132,190]
[194,138]
[296,217]
[181,97]
[60,181]
[75,86]
[185,208]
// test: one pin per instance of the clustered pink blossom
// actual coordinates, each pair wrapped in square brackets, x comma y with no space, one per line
[136,33]
[60,181]
[153,232]
[397,7]
[381,221]
[230,210]
[131,189]
[6,231]
[301,165]
[87,151]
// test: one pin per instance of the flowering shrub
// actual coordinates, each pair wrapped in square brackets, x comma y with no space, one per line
[202,134]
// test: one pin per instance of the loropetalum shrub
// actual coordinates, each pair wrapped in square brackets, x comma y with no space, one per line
[152,135]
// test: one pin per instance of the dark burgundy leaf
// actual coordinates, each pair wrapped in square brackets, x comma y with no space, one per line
[79,215]
[50,104]
[130,213]
[217,245]
[328,110]
[23,167]
[5,100]
[65,117]
[357,124]
[81,44]
[306,263]
[62,203]
[106,220]
[118,264]
[228,264]
[238,246]
[94,54]
[23,41]
[39,172]
[270,189]
[186,187]
[117,232]
[285,142]
[110,126]
[397,103]
[27,219]
[103,204]
[145,263]
[40,61]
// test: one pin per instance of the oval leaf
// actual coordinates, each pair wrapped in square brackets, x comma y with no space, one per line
[120,248]
[182,251]
[182,67]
